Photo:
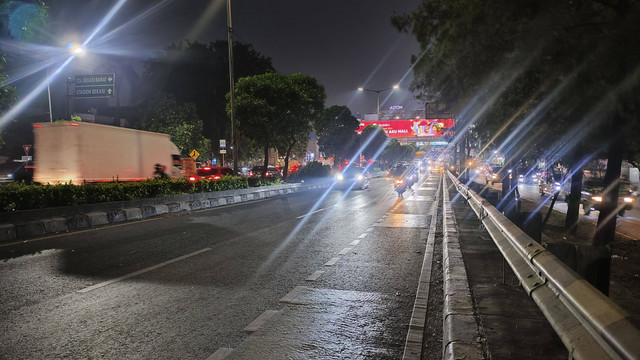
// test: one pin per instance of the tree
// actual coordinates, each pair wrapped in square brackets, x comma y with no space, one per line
[373,141]
[18,21]
[301,113]
[336,130]
[165,115]
[395,152]
[199,73]
[276,110]
[555,75]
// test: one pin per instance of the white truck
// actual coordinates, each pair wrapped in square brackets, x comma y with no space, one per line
[80,152]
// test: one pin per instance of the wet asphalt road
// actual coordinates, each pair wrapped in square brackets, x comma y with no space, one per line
[184,286]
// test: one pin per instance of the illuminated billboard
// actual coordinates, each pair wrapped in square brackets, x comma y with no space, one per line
[414,128]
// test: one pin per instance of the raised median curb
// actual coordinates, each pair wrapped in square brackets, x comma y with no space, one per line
[22,225]
[461,338]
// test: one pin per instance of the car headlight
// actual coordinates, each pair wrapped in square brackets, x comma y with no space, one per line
[340,177]
[596,198]
[360,177]
[494,176]
[628,200]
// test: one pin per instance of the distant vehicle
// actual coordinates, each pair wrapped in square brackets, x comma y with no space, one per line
[550,183]
[72,151]
[211,173]
[272,172]
[593,194]
[497,174]
[529,176]
[354,177]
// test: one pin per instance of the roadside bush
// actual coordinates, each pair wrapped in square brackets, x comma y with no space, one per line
[22,196]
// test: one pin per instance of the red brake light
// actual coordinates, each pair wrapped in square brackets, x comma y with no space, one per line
[192,178]
[207,168]
[37,126]
[216,177]
[73,124]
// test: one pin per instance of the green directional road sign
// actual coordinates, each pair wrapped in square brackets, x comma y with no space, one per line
[95,86]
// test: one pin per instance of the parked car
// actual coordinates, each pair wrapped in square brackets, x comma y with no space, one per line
[354,177]
[593,193]
[211,173]
[272,172]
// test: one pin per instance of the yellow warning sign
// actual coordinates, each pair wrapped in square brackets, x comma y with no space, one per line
[194,154]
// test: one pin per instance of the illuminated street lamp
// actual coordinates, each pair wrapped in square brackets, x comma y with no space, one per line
[378,92]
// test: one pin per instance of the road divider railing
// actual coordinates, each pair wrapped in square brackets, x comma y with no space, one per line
[589,324]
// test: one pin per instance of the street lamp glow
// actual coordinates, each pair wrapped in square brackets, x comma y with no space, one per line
[76,49]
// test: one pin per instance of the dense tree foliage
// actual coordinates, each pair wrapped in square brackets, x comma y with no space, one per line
[19,20]
[373,141]
[165,115]
[277,110]
[301,113]
[558,75]
[336,131]
[199,73]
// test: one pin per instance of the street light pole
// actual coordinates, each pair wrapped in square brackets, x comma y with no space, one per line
[49,96]
[378,93]
[234,148]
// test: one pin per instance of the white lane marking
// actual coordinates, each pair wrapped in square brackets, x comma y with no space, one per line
[332,262]
[344,251]
[220,354]
[301,216]
[261,320]
[370,229]
[363,236]
[354,243]
[102,284]
[292,296]
[315,275]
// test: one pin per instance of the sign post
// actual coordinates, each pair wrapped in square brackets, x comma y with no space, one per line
[223,149]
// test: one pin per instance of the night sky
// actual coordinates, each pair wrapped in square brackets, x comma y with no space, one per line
[343,43]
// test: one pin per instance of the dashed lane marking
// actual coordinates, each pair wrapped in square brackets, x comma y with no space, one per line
[354,243]
[315,275]
[332,262]
[344,251]
[261,320]
[220,354]
[103,284]
[311,213]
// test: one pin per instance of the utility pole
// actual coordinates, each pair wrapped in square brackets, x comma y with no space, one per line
[234,148]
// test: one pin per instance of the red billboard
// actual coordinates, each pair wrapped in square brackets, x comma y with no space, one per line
[413,128]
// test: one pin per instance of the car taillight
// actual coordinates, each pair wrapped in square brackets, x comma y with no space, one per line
[216,177]
[192,178]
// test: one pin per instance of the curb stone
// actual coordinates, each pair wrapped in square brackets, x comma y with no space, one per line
[38,223]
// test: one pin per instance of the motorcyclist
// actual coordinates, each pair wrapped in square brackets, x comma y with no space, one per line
[160,172]
[400,179]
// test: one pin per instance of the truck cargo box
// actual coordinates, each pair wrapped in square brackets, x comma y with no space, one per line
[77,152]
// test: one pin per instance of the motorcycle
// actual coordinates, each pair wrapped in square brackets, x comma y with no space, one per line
[399,185]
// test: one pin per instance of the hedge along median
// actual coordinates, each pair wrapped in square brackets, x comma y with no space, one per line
[19,196]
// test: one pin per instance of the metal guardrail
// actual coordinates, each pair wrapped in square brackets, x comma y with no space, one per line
[589,324]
